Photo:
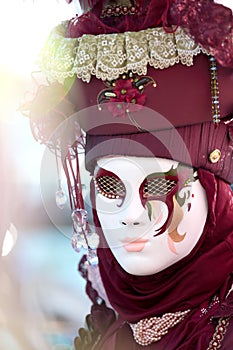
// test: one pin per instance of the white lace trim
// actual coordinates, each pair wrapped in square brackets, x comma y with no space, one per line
[108,56]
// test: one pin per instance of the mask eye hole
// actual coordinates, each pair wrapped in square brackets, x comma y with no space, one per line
[157,187]
[109,185]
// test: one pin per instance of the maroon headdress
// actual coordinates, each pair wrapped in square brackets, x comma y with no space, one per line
[188,88]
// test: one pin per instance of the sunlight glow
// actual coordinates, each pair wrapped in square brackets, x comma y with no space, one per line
[24,26]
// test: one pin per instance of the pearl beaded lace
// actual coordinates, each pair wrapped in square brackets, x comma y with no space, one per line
[152,329]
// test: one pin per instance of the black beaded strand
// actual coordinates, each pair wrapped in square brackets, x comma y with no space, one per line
[214,91]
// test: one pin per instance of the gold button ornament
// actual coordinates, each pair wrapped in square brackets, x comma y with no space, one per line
[214,156]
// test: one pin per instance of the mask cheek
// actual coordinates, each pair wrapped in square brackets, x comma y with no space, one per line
[157,212]
[107,205]
[184,198]
[174,236]
[177,217]
[186,229]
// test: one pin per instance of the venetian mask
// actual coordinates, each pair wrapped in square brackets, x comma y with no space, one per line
[152,211]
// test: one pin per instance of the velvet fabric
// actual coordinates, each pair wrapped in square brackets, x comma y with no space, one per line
[149,14]
[210,24]
[227,342]
[183,99]
[182,94]
[190,145]
[188,284]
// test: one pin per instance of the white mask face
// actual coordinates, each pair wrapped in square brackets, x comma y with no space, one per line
[152,211]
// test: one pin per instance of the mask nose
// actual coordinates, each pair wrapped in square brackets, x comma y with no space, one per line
[133,214]
[128,222]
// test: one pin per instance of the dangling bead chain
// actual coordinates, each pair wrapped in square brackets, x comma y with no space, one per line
[82,237]
[152,329]
[60,195]
[214,91]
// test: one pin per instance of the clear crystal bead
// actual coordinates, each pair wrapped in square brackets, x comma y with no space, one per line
[92,258]
[61,199]
[93,240]
[79,217]
[78,242]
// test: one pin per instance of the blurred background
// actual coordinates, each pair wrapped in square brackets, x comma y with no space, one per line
[42,296]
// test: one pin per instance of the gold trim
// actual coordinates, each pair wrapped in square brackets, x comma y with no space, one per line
[219,333]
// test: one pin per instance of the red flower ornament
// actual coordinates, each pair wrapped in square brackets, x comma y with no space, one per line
[126,93]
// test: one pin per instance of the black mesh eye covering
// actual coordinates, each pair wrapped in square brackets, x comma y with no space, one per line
[158,186]
[108,184]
